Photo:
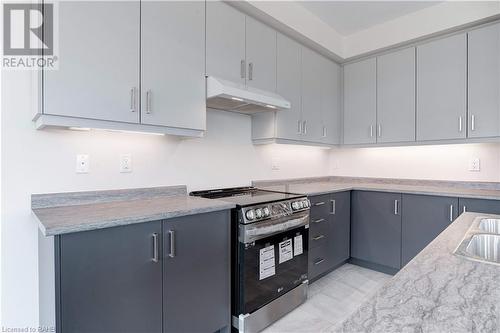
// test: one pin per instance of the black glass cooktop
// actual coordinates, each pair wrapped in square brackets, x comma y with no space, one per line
[245,196]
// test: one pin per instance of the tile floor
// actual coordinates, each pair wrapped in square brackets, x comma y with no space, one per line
[331,299]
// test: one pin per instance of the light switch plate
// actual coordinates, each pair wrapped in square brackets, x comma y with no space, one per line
[475,164]
[82,163]
[125,163]
[275,163]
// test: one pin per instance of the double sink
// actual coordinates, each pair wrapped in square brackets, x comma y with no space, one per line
[482,241]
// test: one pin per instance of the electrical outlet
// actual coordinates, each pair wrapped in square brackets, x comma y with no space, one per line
[82,163]
[475,164]
[275,163]
[126,163]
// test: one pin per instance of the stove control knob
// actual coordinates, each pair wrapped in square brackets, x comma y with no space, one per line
[306,203]
[266,212]
[258,213]
[301,204]
[250,214]
[295,205]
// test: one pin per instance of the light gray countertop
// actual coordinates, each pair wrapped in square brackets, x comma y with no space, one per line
[324,187]
[102,209]
[436,292]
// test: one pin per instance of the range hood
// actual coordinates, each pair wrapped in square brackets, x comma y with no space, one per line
[230,96]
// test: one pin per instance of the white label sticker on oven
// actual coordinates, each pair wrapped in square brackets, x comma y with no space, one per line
[267,264]
[286,252]
[297,245]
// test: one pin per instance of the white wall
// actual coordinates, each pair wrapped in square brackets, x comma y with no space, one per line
[446,162]
[44,161]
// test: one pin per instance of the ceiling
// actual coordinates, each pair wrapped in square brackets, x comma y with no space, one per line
[349,17]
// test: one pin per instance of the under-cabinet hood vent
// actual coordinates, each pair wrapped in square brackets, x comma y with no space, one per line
[230,96]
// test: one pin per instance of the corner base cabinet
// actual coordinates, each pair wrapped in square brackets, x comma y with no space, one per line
[163,276]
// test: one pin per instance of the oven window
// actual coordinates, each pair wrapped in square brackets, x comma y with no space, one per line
[271,267]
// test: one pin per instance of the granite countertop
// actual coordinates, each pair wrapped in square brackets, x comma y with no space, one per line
[72,212]
[324,187]
[437,291]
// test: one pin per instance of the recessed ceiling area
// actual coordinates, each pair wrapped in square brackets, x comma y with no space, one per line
[349,17]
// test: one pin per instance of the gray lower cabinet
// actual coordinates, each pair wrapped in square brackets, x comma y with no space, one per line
[376,229]
[479,206]
[170,276]
[329,232]
[107,280]
[424,218]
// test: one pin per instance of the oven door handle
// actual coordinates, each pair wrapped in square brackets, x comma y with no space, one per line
[251,232]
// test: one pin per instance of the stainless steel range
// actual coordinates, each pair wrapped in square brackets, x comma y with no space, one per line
[269,254]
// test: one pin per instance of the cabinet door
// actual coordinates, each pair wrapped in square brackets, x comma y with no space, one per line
[98,75]
[479,206]
[424,218]
[376,228]
[173,64]
[109,281]
[330,102]
[196,283]
[340,227]
[225,42]
[484,81]
[396,96]
[360,95]
[312,86]
[441,89]
[260,55]
[289,86]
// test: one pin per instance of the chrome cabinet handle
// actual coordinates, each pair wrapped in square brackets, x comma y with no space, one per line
[460,124]
[333,207]
[379,130]
[242,68]
[148,101]
[451,213]
[318,220]
[464,209]
[371,131]
[472,123]
[132,99]
[324,131]
[319,261]
[318,237]
[250,71]
[299,127]
[396,207]
[155,248]
[304,127]
[171,234]
[321,203]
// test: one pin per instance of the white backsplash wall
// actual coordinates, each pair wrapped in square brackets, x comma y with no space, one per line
[446,162]
[44,161]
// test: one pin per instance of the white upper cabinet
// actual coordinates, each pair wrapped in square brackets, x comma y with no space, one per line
[260,55]
[98,75]
[312,93]
[484,82]
[396,96]
[226,57]
[441,89]
[173,64]
[330,102]
[289,122]
[360,94]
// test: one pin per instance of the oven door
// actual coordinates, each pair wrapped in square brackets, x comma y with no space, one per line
[273,260]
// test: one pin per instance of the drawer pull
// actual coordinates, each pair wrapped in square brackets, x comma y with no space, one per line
[319,203]
[318,237]
[319,261]
[319,221]
[332,212]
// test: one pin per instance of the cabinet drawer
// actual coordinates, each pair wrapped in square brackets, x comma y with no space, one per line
[318,261]
[319,225]
[320,206]
[318,238]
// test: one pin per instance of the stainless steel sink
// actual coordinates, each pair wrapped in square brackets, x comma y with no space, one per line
[484,247]
[491,226]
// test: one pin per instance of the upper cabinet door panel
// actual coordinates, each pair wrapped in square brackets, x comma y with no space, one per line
[484,82]
[289,86]
[360,102]
[225,42]
[330,102]
[312,86]
[173,63]
[441,89]
[98,75]
[260,55]
[396,96]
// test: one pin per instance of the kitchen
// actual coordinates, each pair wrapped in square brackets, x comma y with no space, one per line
[403,156]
